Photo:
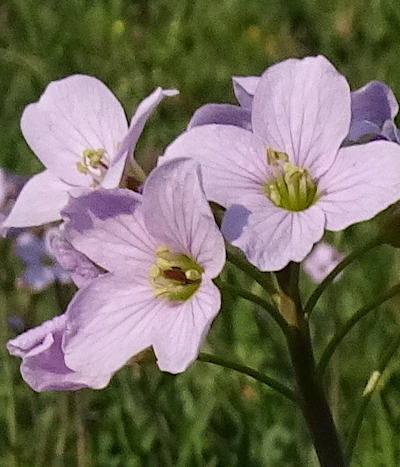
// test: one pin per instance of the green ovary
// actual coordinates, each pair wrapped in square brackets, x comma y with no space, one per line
[291,187]
[174,276]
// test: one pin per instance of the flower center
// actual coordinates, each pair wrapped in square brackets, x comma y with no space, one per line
[94,162]
[291,187]
[174,276]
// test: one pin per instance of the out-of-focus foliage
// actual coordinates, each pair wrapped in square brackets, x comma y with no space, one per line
[206,416]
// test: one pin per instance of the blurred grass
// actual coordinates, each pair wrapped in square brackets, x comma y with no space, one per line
[206,416]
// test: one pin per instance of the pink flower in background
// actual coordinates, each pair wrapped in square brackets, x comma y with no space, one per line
[287,180]
[321,261]
[79,131]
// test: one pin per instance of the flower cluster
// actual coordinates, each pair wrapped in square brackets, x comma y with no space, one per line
[301,154]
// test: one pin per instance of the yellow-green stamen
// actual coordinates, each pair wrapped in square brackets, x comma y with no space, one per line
[174,276]
[94,163]
[291,187]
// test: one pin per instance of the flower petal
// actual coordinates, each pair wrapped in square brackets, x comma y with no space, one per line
[181,328]
[223,114]
[321,261]
[176,212]
[108,322]
[77,265]
[43,366]
[245,88]
[233,160]
[73,114]
[270,236]
[364,180]
[302,107]
[374,103]
[145,108]
[40,201]
[107,226]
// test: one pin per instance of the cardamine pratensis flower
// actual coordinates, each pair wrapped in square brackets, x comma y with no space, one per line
[161,250]
[79,131]
[287,180]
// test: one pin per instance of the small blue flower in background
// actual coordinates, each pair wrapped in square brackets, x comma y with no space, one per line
[40,269]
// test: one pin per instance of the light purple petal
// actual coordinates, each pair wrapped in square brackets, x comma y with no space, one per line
[374,103]
[73,114]
[321,261]
[181,328]
[223,114]
[107,226]
[176,212]
[270,236]
[233,160]
[145,108]
[108,322]
[245,88]
[364,180]
[43,366]
[391,132]
[362,128]
[39,202]
[302,107]
[74,263]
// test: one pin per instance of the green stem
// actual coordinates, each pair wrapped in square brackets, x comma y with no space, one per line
[267,380]
[368,392]
[348,325]
[268,307]
[262,278]
[313,401]
[319,290]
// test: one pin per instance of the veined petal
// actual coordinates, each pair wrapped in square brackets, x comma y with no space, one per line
[181,328]
[145,108]
[269,236]
[107,226]
[364,180]
[176,212]
[302,107]
[40,201]
[245,88]
[233,160]
[43,366]
[223,114]
[108,322]
[73,114]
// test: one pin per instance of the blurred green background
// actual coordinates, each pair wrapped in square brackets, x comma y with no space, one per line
[207,416]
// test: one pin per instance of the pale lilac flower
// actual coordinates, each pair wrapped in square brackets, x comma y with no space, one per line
[79,131]
[40,269]
[287,181]
[161,249]
[77,265]
[43,366]
[321,261]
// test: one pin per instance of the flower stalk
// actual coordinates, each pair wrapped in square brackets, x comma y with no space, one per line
[312,398]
